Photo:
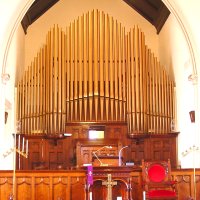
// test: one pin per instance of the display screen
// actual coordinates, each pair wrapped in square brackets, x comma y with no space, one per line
[93,134]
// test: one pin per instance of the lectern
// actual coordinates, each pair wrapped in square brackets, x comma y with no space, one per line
[105,161]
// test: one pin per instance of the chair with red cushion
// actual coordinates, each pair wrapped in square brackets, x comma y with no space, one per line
[157,181]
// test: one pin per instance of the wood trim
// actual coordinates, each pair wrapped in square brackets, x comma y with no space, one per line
[62,181]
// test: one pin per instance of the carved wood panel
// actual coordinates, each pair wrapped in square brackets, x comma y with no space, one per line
[155,147]
[85,150]
[70,184]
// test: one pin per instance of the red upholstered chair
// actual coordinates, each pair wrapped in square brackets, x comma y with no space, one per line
[157,181]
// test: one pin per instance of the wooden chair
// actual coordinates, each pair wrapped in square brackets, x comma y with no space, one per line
[157,181]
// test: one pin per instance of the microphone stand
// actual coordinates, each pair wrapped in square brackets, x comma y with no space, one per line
[101,164]
[120,151]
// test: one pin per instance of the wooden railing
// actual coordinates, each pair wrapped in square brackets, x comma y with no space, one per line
[43,185]
[71,184]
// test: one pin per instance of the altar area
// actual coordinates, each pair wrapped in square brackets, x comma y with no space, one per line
[72,184]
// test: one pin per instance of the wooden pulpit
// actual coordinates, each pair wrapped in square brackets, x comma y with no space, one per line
[105,161]
[112,183]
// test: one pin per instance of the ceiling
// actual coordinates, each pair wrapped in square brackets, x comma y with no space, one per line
[152,10]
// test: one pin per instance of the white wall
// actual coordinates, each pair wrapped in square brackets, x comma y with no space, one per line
[174,53]
[11,57]
[66,11]
[14,65]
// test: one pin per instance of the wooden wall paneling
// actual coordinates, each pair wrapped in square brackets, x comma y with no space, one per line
[32,196]
[42,188]
[120,190]
[6,186]
[154,147]
[23,184]
[136,185]
[62,152]
[197,187]
[184,184]
[98,191]
[78,188]
[56,155]
[138,150]
[70,184]
[35,154]
[60,187]
[161,149]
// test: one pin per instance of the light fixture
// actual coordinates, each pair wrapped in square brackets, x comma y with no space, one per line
[5,78]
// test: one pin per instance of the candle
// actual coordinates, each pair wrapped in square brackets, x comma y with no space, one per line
[90,195]
[23,145]
[26,146]
[42,149]
[19,142]
[144,195]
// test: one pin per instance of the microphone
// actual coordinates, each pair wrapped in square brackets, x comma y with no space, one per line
[120,151]
[101,164]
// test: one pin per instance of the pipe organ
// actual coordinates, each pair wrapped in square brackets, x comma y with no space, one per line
[95,72]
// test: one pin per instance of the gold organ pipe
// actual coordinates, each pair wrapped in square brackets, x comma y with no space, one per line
[90,68]
[67,74]
[141,82]
[75,70]
[116,68]
[24,88]
[42,89]
[111,71]
[137,78]
[158,96]
[129,110]
[51,93]
[150,94]
[63,83]
[119,64]
[94,71]
[107,39]
[34,105]
[59,81]
[47,75]
[132,89]
[124,77]
[85,67]
[85,77]
[71,70]
[145,85]
[95,61]
[80,64]
[101,62]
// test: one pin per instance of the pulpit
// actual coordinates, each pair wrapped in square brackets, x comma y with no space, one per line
[105,161]
[112,183]
[98,152]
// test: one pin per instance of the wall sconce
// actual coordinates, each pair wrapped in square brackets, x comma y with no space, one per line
[192,116]
[6,117]
[5,78]
[193,78]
